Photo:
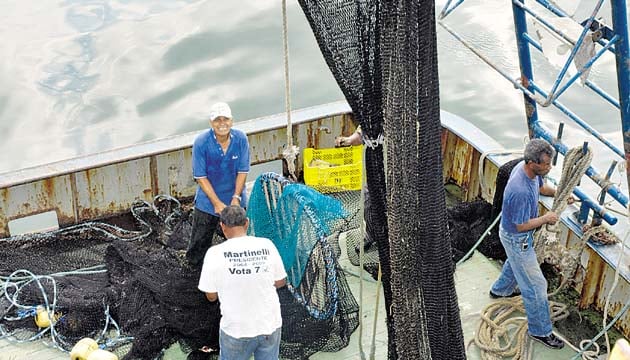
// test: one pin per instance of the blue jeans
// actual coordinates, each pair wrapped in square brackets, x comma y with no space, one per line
[521,268]
[263,347]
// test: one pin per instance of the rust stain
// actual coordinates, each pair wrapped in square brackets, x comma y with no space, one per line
[49,187]
[590,288]
[64,220]
[85,214]
[443,138]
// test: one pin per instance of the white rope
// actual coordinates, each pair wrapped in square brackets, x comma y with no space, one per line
[573,168]
[291,151]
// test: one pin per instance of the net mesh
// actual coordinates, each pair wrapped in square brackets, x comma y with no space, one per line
[318,309]
[135,294]
[383,55]
[130,290]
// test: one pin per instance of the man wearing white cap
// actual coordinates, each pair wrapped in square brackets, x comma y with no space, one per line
[220,163]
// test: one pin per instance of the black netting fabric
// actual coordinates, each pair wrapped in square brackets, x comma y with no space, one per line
[384,57]
[467,221]
[130,290]
[135,294]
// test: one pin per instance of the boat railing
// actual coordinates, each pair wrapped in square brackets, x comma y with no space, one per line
[581,37]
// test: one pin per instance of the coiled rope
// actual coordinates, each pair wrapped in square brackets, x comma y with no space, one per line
[499,335]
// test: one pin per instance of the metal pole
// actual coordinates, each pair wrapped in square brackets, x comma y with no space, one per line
[525,62]
[622,55]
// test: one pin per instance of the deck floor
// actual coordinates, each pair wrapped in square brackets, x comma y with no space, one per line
[473,279]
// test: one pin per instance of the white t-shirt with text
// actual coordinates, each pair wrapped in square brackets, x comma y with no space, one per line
[242,271]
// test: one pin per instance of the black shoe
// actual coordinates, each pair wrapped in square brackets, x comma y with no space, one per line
[496,296]
[550,341]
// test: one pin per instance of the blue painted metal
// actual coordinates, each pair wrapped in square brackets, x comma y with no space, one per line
[585,67]
[583,124]
[447,9]
[622,55]
[532,41]
[547,24]
[527,73]
[534,95]
[589,203]
[591,172]
[559,138]
[534,126]
[575,48]
[552,7]
[602,93]
[599,91]
[557,11]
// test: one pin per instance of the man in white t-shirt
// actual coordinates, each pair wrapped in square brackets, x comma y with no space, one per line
[244,272]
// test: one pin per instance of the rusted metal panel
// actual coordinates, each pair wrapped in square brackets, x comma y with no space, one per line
[265,146]
[473,186]
[53,194]
[448,154]
[174,174]
[490,171]
[107,183]
[590,286]
[459,161]
[112,189]
[619,297]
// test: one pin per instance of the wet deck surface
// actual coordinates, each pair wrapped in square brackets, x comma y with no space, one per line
[473,279]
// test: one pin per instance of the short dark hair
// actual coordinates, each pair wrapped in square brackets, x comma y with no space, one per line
[536,148]
[233,215]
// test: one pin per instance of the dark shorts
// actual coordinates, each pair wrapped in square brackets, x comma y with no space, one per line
[204,226]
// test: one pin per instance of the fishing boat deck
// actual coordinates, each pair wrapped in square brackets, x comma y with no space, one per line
[473,279]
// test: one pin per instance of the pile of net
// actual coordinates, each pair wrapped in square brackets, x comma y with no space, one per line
[135,294]
[319,313]
[130,290]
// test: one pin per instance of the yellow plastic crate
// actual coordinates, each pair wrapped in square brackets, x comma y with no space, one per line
[335,169]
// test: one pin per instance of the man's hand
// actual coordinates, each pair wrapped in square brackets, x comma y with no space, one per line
[551,217]
[235,201]
[341,141]
[219,207]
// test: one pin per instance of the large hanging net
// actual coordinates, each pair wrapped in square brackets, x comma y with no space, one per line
[383,55]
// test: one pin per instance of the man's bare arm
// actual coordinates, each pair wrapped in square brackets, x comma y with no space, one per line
[549,218]
[240,185]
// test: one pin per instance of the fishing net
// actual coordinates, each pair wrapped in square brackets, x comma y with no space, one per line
[135,294]
[130,290]
[467,221]
[383,56]
[319,312]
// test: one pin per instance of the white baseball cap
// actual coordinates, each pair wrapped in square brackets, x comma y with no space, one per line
[220,109]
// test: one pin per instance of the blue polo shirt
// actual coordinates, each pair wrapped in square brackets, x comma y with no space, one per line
[209,161]
[520,199]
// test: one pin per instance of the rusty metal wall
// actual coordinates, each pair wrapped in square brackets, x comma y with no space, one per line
[106,184]
[460,167]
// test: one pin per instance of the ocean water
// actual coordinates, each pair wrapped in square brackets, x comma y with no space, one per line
[83,76]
